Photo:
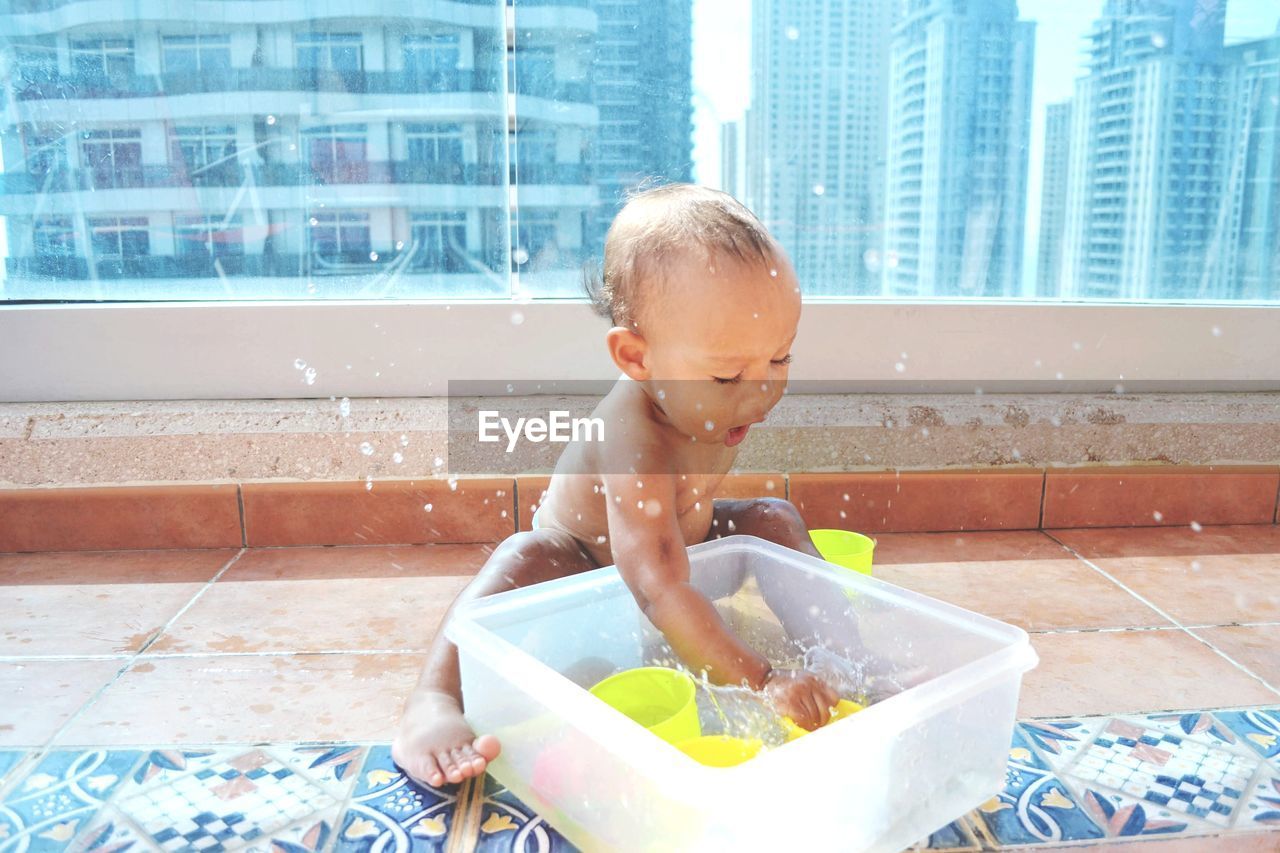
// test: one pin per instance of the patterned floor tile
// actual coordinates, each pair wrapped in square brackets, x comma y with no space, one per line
[1259,729]
[1034,807]
[955,836]
[1262,810]
[235,800]
[506,825]
[9,761]
[1058,741]
[45,809]
[390,814]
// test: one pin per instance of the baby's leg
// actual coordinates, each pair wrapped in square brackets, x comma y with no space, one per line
[812,613]
[435,745]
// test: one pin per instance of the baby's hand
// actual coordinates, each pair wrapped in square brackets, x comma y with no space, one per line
[800,695]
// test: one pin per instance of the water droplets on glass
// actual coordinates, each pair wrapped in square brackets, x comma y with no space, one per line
[366,448]
[517,318]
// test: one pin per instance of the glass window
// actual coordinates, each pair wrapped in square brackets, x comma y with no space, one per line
[102,59]
[112,158]
[206,152]
[54,237]
[119,237]
[209,54]
[337,241]
[440,242]
[338,153]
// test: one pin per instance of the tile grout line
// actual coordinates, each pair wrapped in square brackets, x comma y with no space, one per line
[1168,616]
[244,530]
[1044,494]
[48,745]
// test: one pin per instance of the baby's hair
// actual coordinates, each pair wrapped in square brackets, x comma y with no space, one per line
[659,224]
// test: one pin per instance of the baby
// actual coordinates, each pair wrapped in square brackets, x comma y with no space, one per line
[705,307]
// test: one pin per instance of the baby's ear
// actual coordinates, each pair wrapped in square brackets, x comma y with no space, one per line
[629,352]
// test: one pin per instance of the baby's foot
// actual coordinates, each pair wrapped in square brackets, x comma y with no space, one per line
[435,745]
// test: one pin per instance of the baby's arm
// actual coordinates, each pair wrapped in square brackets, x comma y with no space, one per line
[649,551]
[648,548]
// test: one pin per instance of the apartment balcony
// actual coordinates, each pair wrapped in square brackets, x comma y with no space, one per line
[83,87]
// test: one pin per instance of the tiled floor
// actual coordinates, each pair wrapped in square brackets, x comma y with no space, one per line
[161,698]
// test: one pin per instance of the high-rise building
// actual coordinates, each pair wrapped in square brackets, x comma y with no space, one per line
[1147,211]
[351,152]
[959,126]
[642,85]
[1053,196]
[816,135]
[730,165]
[1254,177]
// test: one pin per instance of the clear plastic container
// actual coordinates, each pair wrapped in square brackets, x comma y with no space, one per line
[942,682]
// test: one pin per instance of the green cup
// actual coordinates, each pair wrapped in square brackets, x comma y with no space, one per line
[658,698]
[845,548]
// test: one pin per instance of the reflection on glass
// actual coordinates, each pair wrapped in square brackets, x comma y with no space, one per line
[1103,149]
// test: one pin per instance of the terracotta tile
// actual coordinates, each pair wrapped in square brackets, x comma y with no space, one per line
[119,517]
[1170,541]
[95,603]
[1036,595]
[40,696]
[1105,672]
[1204,590]
[1154,496]
[1255,647]
[979,545]
[920,501]
[393,512]
[327,599]
[250,699]
[531,490]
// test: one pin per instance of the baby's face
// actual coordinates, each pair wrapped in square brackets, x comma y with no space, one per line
[719,345]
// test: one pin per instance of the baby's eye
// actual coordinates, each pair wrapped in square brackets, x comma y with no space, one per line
[732,380]
[786,359]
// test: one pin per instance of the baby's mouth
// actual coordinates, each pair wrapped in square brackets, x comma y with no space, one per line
[735,435]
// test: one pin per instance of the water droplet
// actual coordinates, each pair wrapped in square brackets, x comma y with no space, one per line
[344,407]
[520,256]
[453,484]
[924,431]
[710,425]
[652,508]
[404,440]
[310,375]
[313,221]
[899,366]
[730,525]
[271,119]
[516,318]
[1016,453]
[1077,346]
[600,540]
[596,489]
[1217,332]
[298,364]
[397,457]
[399,245]
[1058,375]
[1119,389]
[662,395]
[755,315]
[373,256]
[697,505]
[437,462]
[845,496]
[366,448]
[844,514]
[1195,526]
[427,507]
[510,388]
[1157,515]
[793,33]
[819,189]
[1158,40]
[639,504]
[368,484]
[773,273]
[504,513]
[768,485]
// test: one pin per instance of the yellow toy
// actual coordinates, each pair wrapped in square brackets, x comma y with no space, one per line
[843,708]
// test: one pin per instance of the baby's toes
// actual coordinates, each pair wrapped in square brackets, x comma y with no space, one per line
[488,747]
[448,766]
[475,759]
[463,762]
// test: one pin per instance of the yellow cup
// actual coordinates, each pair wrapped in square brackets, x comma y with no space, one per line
[658,698]
[720,750]
[843,708]
[845,548]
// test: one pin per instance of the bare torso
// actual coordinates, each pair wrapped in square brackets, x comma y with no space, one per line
[575,501]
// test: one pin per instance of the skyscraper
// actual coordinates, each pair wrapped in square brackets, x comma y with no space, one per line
[1147,210]
[816,135]
[959,123]
[1053,196]
[642,84]
[730,177]
[1254,179]
[353,152]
